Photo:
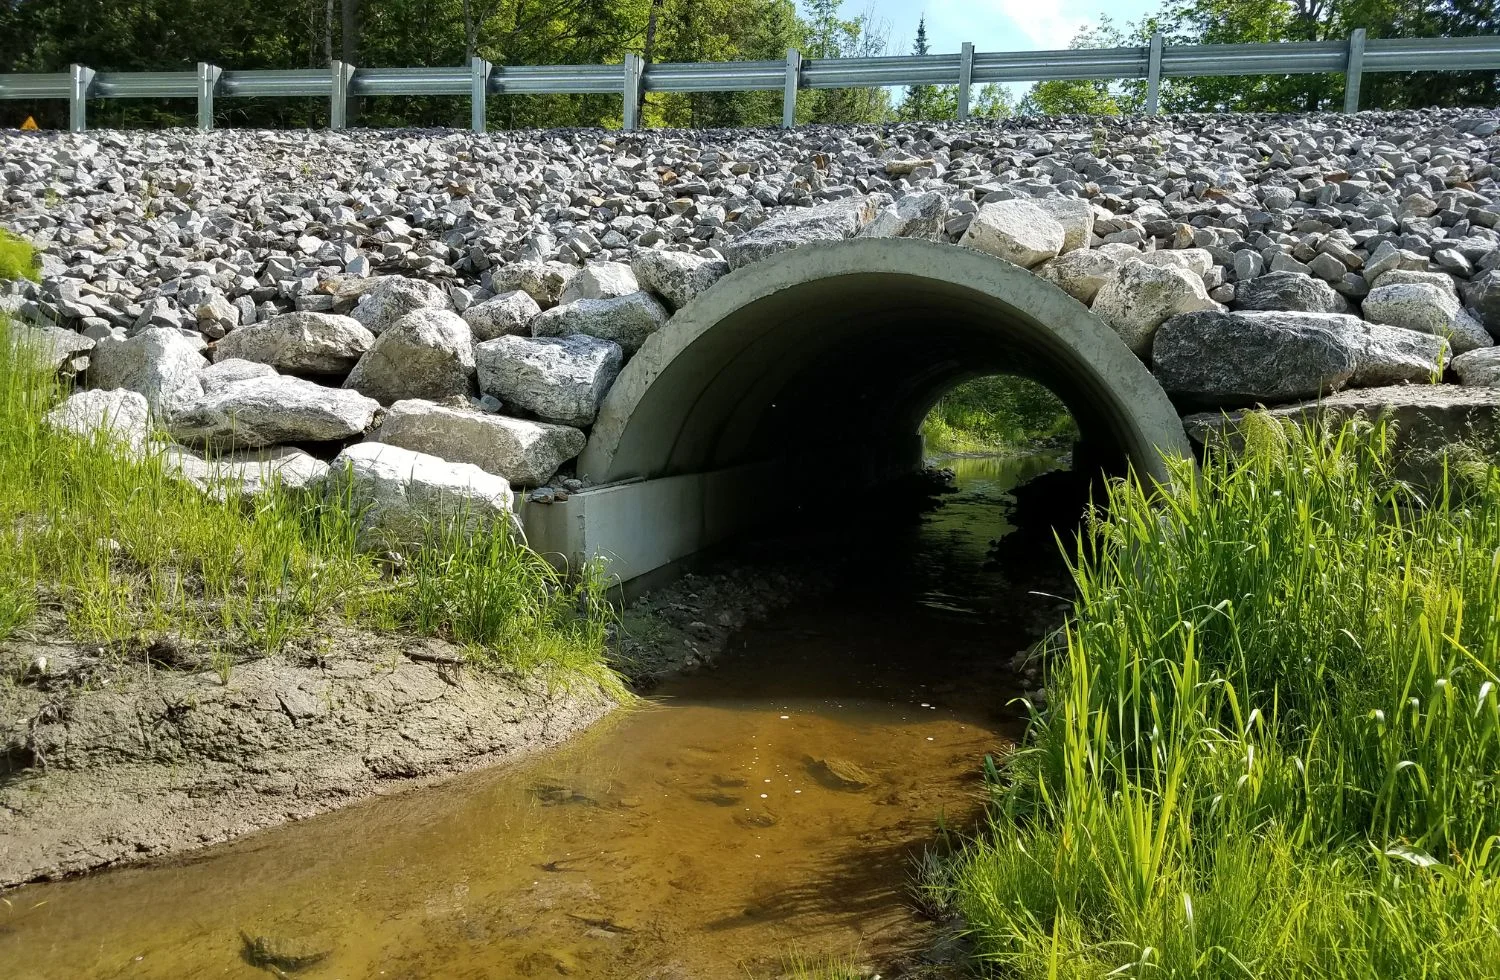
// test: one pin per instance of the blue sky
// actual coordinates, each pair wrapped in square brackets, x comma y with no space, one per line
[993,25]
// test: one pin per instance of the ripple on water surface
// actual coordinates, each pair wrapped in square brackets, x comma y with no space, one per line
[777,802]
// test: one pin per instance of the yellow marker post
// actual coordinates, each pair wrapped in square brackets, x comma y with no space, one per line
[29,124]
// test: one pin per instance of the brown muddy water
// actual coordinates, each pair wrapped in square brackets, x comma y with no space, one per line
[777,803]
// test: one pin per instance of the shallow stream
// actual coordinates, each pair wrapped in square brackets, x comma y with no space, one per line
[776,803]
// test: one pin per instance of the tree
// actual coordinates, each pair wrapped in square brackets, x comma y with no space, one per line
[827,35]
[1096,98]
[930,102]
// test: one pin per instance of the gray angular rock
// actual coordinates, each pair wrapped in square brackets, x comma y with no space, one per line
[912,216]
[299,343]
[626,320]
[1194,260]
[506,314]
[792,227]
[1288,292]
[1479,367]
[676,277]
[526,453]
[1017,231]
[600,280]
[247,474]
[1483,295]
[1391,355]
[559,379]
[158,362]
[258,412]
[426,354]
[224,372]
[121,416]
[1138,298]
[407,500]
[542,281]
[1076,217]
[1427,309]
[1080,273]
[1441,280]
[54,347]
[1241,358]
[390,298]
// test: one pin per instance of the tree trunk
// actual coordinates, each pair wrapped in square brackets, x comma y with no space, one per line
[649,49]
[328,31]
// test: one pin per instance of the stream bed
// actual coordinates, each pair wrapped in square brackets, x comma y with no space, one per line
[776,804]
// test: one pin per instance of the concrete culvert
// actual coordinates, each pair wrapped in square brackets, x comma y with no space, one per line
[821,362]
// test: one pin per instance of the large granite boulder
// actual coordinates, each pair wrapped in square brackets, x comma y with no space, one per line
[506,314]
[407,500]
[1080,273]
[1138,298]
[676,277]
[559,379]
[299,343]
[1478,367]
[918,215]
[159,363]
[1288,291]
[544,282]
[1270,356]
[791,227]
[393,297]
[1017,231]
[259,412]
[246,474]
[1483,296]
[1428,309]
[1076,217]
[600,280]
[426,354]
[121,416]
[233,369]
[625,320]
[54,348]
[526,453]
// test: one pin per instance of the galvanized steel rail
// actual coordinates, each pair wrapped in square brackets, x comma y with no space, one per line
[1152,62]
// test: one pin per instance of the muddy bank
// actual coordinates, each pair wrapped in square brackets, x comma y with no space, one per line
[109,758]
[112,763]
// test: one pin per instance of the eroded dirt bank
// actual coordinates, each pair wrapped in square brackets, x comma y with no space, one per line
[108,759]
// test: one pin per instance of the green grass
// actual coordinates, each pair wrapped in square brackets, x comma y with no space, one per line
[117,552]
[995,414]
[1272,747]
[17,258]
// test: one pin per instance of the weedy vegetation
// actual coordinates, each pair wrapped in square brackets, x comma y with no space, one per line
[118,552]
[1272,743]
[17,258]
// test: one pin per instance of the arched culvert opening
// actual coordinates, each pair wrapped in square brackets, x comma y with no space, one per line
[828,356]
[993,414]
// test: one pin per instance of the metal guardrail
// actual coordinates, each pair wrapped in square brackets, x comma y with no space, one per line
[1152,62]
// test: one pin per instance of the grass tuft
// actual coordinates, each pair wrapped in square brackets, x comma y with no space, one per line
[18,260]
[1272,745]
[122,553]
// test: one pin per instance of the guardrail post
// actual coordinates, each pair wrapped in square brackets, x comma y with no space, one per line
[1153,73]
[208,80]
[965,76]
[479,87]
[634,67]
[338,98]
[793,81]
[81,79]
[1353,69]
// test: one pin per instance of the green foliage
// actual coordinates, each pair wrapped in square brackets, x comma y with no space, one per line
[18,260]
[995,414]
[826,34]
[122,552]
[1272,744]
